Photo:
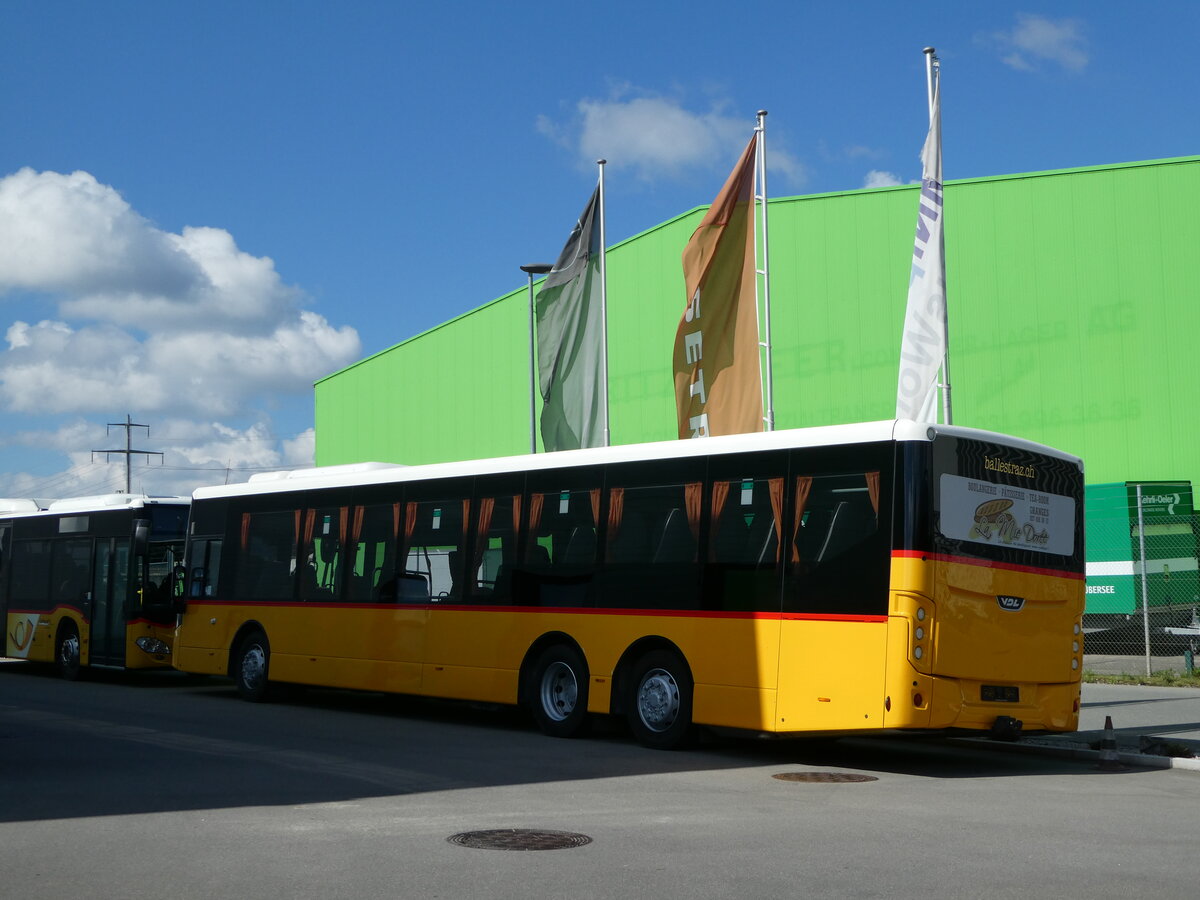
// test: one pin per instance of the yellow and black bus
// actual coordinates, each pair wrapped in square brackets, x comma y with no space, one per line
[888,575]
[90,581]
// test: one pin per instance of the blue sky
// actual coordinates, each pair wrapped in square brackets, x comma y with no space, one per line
[206,206]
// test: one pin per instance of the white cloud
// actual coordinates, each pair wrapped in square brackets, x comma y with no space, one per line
[877,178]
[184,328]
[1039,39]
[195,453]
[657,137]
[182,323]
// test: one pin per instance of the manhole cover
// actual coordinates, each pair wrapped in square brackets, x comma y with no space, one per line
[824,777]
[519,839]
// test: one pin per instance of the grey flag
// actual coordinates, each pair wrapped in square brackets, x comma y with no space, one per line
[569,340]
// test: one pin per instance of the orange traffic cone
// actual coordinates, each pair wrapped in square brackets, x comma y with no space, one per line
[1109,760]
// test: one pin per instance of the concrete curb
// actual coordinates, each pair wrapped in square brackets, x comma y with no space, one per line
[1071,750]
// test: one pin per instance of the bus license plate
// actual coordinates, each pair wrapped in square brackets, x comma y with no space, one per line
[1000,693]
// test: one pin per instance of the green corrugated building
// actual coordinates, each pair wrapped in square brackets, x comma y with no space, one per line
[1074,301]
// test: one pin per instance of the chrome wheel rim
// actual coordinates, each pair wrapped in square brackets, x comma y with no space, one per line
[559,691]
[658,700]
[69,651]
[254,667]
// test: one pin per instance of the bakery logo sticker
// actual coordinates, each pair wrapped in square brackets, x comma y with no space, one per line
[994,520]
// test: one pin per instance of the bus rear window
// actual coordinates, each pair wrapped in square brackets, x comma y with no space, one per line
[1007,503]
[1002,515]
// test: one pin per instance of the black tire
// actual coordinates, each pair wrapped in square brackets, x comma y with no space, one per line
[66,652]
[659,704]
[557,692]
[251,667]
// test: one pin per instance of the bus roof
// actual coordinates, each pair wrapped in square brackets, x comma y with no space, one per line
[823,436]
[96,503]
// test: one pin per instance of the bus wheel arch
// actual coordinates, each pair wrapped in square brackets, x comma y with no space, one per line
[250,662]
[554,681]
[67,650]
[654,688]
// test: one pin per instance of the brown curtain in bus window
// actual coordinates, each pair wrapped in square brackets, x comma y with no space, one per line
[487,506]
[594,496]
[803,489]
[410,528]
[873,491]
[720,495]
[616,511]
[516,517]
[693,496]
[356,533]
[310,522]
[536,501]
[775,486]
[245,531]
[343,518]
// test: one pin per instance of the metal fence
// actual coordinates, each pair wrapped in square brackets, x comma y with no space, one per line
[1143,586]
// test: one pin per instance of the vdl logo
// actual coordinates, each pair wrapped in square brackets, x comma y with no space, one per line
[1013,604]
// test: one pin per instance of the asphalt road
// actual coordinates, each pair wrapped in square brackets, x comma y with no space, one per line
[163,785]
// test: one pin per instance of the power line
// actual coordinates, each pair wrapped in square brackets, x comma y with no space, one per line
[128,452]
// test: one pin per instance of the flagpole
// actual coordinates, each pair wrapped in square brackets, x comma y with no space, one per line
[933,80]
[603,308]
[760,197]
[533,269]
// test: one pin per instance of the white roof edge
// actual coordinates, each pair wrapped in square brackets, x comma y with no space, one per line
[818,436]
[101,502]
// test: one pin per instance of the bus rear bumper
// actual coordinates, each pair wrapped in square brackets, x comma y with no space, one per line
[960,704]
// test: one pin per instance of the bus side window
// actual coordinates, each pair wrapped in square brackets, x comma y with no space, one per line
[433,543]
[321,553]
[495,548]
[652,558]
[838,561]
[203,568]
[71,567]
[266,560]
[370,553]
[30,575]
[742,568]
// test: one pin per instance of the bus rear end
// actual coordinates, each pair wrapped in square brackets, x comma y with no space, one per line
[987,587]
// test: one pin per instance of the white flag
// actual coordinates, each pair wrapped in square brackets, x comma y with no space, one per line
[923,348]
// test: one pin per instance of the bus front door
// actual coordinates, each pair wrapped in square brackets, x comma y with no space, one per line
[110,590]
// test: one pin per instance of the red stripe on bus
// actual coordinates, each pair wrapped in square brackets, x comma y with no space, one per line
[556,610]
[62,607]
[983,563]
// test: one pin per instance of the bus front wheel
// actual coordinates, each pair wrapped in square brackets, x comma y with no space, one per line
[66,654]
[250,667]
[558,692]
[659,708]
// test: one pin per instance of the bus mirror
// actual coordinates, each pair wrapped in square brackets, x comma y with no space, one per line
[141,536]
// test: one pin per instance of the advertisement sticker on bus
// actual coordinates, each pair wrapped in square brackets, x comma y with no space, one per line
[20,634]
[1000,514]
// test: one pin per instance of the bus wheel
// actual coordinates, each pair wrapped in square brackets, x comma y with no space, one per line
[660,706]
[558,692]
[66,655]
[250,667]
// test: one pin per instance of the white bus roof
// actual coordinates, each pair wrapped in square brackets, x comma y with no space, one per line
[362,474]
[96,503]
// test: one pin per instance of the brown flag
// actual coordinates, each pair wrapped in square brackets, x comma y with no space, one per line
[718,382]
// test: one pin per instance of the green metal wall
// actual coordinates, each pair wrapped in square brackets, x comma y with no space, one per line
[1074,301]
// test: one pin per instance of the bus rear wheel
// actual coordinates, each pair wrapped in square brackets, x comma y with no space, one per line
[558,692]
[66,653]
[251,665]
[659,707]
